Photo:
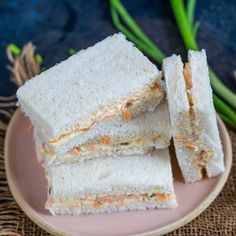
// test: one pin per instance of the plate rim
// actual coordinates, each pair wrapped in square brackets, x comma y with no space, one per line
[163,230]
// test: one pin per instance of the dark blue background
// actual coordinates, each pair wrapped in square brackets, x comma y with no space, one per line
[54,26]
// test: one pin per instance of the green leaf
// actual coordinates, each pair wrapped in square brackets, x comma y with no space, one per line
[14,49]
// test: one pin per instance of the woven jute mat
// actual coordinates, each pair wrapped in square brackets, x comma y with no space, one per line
[218,219]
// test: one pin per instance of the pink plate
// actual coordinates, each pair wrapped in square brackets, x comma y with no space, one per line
[28,185]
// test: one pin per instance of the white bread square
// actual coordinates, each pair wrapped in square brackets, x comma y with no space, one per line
[71,93]
[111,176]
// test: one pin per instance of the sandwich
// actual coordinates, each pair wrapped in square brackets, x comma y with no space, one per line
[138,136]
[153,125]
[193,117]
[111,80]
[111,184]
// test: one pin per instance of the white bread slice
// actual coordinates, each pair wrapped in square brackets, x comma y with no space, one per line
[196,136]
[144,147]
[143,182]
[111,79]
[179,114]
[154,127]
[205,111]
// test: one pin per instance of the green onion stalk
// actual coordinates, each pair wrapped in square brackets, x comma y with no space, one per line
[184,19]
[188,29]
[15,50]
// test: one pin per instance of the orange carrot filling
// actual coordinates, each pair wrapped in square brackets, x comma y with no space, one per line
[126,115]
[155,87]
[202,158]
[106,139]
[187,76]
[188,84]
[121,200]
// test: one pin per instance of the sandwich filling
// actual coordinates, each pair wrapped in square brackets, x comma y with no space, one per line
[188,85]
[194,144]
[105,144]
[119,200]
[126,110]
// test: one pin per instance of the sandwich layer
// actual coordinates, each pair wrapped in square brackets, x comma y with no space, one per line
[150,129]
[192,115]
[99,184]
[111,79]
[93,150]
[111,204]
[147,102]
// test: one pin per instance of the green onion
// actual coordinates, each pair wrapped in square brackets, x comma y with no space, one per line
[71,51]
[227,120]
[43,68]
[14,49]
[142,42]
[184,22]
[195,28]
[191,4]
[117,5]
[38,58]
[221,89]
[224,110]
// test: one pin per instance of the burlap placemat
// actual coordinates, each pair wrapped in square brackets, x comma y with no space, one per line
[218,219]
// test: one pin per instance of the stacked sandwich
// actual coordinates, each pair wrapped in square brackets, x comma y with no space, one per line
[102,128]
[97,118]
